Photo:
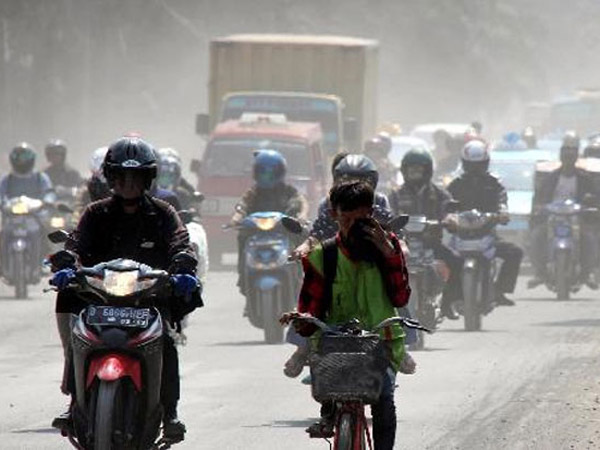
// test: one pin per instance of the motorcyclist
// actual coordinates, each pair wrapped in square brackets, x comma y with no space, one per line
[64,178]
[131,224]
[420,196]
[377,149]
[350,167]
[269,193]
[370,281]
[171,179]
[477,189]
[568,182]
[23,180]
[528,136]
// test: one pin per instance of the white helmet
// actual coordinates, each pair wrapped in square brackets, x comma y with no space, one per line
[475,151]
[168,152]
[97,160]
[475,157]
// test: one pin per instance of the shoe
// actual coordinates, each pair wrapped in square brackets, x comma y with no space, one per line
[63,421]
[502,300]
[321,429]
[293,367]
[173,429]
[535,282]
[448,311]
[408,366]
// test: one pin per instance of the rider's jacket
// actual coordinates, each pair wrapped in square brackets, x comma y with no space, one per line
[483,192]
[34,185]
[283,198]
[153,236]
[325,227]
[360,290]
[64,176]
[544,193]
[429,200]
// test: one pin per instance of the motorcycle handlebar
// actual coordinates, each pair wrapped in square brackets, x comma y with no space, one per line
[404,321]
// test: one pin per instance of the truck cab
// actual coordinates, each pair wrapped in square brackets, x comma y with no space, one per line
[226,169]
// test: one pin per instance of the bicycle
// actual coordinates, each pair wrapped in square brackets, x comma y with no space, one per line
[348,369]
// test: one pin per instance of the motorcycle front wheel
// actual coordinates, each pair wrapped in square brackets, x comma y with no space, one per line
[105,414]
[20,276]
[270,301]
[562,273]
[471,290]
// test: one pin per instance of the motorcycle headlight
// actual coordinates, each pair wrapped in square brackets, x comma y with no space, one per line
[265,223]
[57,222]
[19,208]
[120,284]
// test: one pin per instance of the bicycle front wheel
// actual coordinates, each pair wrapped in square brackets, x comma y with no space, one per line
[344,433]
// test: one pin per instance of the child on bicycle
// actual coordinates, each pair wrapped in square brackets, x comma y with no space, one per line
[368,282]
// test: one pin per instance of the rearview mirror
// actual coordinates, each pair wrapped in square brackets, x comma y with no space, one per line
[195,166]
[398,222]
[58,236]
[292,225]
[202,124]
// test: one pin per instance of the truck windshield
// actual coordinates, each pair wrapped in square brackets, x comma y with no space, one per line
[233,157]
[296,109]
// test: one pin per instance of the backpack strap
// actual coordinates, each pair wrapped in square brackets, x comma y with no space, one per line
[330,256]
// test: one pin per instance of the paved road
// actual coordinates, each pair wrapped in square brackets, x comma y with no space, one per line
[528,381]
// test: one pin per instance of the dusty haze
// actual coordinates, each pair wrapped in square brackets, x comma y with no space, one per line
[89,70]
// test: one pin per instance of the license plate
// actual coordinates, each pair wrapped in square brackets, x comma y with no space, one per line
[112,316]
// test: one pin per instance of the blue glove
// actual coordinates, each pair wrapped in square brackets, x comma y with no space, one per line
[184,284]
[62,278]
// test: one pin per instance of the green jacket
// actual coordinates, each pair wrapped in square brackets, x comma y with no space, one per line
[359,291]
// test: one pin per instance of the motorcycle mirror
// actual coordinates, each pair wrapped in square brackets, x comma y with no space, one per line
[452,206]
[62,259]
[239,209]
[198,197]
[58,236]
[64,208]
[292,225]
[398,222]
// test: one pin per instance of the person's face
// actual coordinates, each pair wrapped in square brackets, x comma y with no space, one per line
[56,159]
[568,157]
[415,174]
[129,184]
[345,219]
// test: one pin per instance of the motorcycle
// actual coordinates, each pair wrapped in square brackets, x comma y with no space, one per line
[564,247]
[428,276]
[474,238]
[271,280]
[23,226]
[117,344]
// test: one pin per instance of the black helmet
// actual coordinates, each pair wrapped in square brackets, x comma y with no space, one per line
[130,153]
[417,157]
[22,158]
[57,147]
[592,150]
[357,167]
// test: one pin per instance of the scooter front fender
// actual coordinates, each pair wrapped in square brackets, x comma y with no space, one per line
[113,366]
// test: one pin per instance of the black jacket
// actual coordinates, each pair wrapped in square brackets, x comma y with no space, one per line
[482,192]
[430,201]
[153,236]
